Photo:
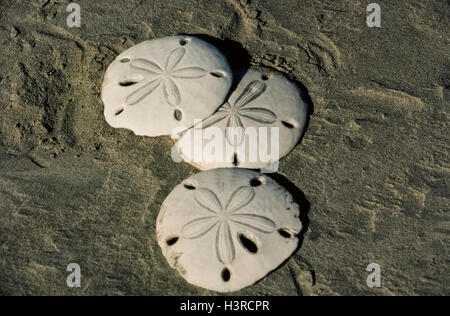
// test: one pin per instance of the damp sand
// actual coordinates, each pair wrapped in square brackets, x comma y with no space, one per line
[372,169]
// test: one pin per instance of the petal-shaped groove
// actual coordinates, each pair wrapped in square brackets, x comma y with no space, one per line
[226,106]
[240,198]
[147,65]
[189,73]
[171,92]
[208,200]
[174,59]
[215,118]
[253,90]
[235,130]
[141,93]
[260,223]
[198,227]
[259,115]
[224,244]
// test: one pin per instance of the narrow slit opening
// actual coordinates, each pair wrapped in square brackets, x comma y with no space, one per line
[256,182]
[248,244]
[127,83]
[119,111]
[235,160]
[178,115]
[226,275]
[172,241]
[287,124]
[217,74]
[285,233]
[189,186]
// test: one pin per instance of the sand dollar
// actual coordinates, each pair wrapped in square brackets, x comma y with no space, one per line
[159,85]
[261,122]
[225,229]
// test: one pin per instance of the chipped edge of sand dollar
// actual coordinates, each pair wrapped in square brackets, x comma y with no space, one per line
[226,229]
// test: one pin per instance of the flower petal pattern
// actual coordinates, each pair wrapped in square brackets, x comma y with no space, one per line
[189,73]
[141,93]
[171,92]
[225,107]
[174,59]
[214,119]
[223,217]
[248,239]
[253,90]
[260,223]
[208,200]
[240,198]
[198,227]
[224,244]
[259,115]
[235,130]
[147,65]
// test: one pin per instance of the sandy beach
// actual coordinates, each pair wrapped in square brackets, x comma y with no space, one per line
[371,173]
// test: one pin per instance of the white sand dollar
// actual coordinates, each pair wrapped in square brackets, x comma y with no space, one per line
[225,229]
[261,122]
[159,85]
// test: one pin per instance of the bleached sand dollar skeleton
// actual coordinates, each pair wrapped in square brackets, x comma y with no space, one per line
[160,85]
[225,229]
[243,132]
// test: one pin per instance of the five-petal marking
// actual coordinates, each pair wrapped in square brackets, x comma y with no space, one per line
[223,217]
[235,112]
[164,76]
